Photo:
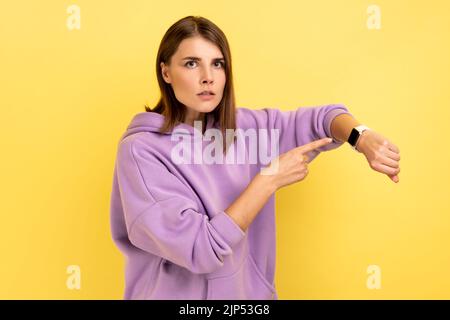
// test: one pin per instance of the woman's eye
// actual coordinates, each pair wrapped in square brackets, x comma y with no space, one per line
[192,61]
[221,64]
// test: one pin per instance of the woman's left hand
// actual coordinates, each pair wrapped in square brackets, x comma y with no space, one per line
[383,156]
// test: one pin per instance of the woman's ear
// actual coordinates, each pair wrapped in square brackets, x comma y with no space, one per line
[164,72]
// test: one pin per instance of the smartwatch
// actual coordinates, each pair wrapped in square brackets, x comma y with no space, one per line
[355,134]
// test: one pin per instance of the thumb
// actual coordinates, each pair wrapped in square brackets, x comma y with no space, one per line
[394,178]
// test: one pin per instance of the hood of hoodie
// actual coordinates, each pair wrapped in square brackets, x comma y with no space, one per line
[152,122]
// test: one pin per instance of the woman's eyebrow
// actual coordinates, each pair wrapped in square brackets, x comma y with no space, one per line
[199,59]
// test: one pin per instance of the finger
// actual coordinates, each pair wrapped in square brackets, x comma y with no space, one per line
[393,155]
[302,157]
[394,178]
[386,169]
[314,145]
[389,162]
[392,147]
[305,158]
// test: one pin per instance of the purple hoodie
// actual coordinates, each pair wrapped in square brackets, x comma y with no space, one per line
[168,219]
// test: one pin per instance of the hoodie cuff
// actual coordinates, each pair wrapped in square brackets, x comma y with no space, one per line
[227,228]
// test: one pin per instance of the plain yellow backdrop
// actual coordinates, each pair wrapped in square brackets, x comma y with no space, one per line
[68,95]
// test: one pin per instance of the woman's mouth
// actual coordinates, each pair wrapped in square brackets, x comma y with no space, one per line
[206,95]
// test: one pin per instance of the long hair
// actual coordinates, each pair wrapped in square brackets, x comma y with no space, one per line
[173,111]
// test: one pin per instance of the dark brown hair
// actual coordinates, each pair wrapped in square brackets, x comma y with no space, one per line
[168,106]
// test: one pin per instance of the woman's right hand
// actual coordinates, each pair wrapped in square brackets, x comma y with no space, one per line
[285,169]
[292,166]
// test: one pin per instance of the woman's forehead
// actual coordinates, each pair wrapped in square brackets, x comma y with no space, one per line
[199,48]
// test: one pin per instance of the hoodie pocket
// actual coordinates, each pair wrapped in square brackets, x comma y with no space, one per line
[247,283]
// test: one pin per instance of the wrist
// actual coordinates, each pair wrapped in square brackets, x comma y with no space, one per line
[265,183]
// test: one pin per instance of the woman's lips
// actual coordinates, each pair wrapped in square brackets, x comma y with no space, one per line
[206,97]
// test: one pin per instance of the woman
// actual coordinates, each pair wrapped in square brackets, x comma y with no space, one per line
[199,226]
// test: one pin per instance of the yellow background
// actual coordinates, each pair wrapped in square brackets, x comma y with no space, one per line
[68,95]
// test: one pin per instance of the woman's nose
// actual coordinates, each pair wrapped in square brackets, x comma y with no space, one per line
[207,76]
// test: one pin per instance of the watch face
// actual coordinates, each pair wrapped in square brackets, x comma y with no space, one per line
[354,135]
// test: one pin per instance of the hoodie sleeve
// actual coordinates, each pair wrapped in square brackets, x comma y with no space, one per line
[297,127]
[161,218]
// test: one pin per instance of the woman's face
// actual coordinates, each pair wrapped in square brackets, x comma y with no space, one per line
[196,66]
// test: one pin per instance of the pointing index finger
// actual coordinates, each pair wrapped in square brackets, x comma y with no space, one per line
[314,145]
